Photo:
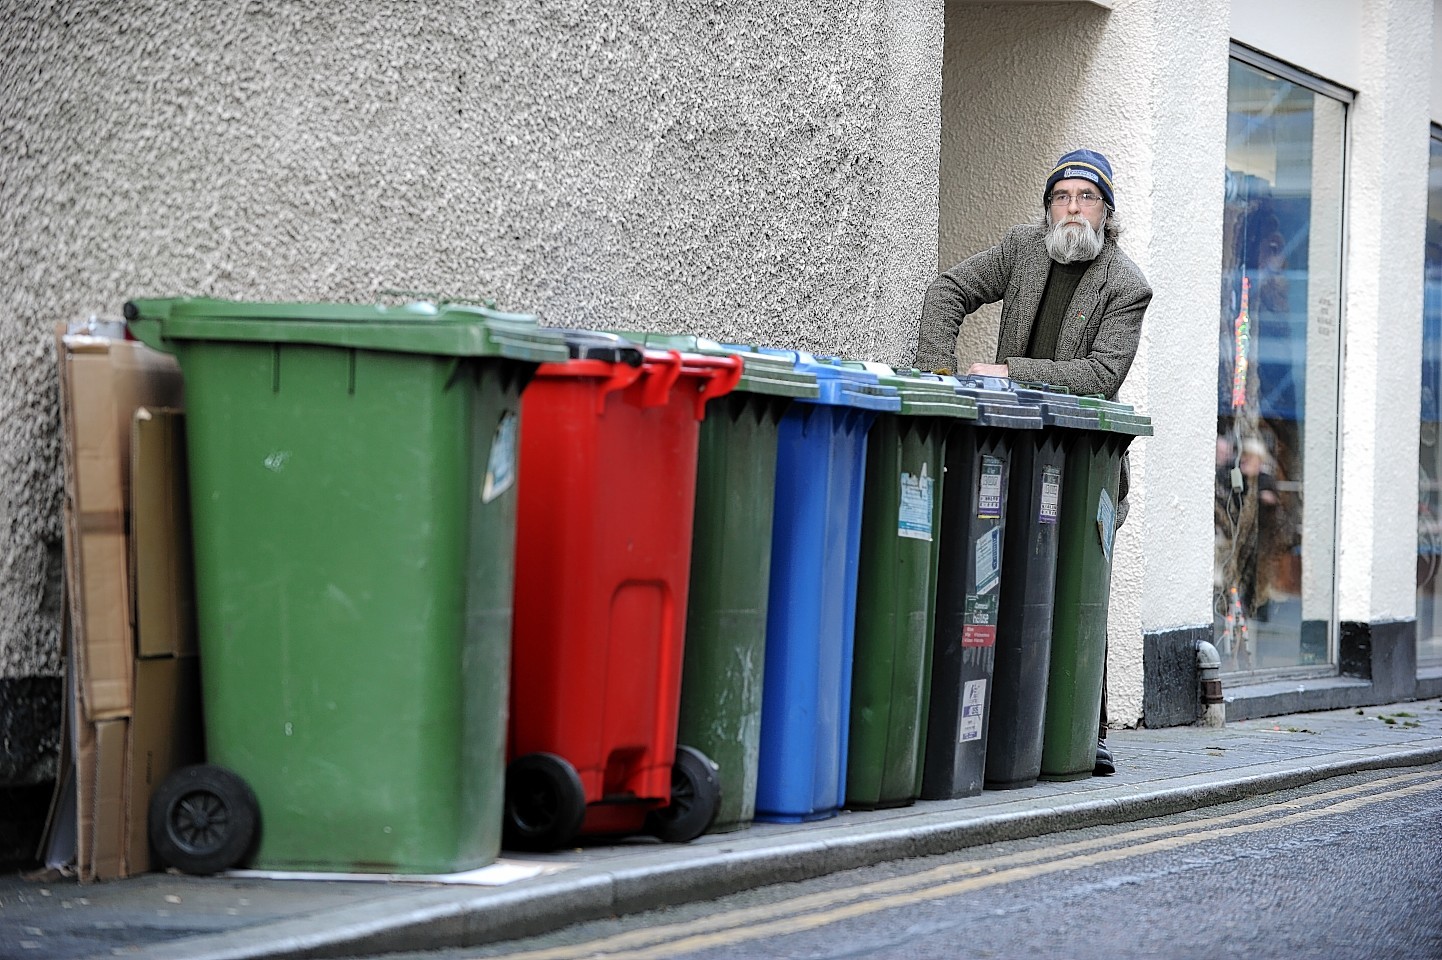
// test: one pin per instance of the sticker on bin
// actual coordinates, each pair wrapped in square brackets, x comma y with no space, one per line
[988,560]
[973,705]
[1050,494]
[1106,522]
[978,629]
[501,464]
[988,494]
[914,518]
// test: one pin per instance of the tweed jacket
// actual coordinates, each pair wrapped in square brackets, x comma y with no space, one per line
[1099,336]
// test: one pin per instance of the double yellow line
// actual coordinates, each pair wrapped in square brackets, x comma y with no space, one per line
[817,910]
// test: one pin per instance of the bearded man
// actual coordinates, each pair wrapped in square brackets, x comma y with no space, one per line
[1072,304]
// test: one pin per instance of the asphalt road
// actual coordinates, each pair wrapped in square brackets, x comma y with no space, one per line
[1348,868]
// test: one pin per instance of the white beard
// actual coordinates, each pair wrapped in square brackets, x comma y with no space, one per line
[1066,244]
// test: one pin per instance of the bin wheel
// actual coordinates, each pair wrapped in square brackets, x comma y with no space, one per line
[695,798]
[203,819]
[545,803]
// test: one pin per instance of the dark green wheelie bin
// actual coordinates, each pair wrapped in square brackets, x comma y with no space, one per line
[725,649]
[896,588]
[1028,583]
[1083,588]
[969,577]
[352,475]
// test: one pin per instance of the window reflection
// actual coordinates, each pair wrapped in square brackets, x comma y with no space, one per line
[1274,509]
[1429,461]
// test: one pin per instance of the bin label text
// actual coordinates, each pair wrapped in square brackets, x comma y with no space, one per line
[914,519]
[1106,522]
[988,560]
[501,464]
[1050,494]
[973,706]
[988,494]
[978,629]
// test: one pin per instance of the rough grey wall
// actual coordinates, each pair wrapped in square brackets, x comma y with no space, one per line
[752,170]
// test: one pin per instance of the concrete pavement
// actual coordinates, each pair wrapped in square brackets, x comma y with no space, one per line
[170,917]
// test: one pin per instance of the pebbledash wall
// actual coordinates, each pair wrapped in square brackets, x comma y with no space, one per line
[756,171]
[791,173]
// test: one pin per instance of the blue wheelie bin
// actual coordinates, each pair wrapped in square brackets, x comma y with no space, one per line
[810,622]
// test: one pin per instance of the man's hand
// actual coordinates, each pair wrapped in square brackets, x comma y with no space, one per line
[989,370]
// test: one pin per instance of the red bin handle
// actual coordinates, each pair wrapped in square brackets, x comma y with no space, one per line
[663,368]
[621,377]
[721,375]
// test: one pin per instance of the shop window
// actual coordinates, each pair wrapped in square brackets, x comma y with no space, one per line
[1277,382]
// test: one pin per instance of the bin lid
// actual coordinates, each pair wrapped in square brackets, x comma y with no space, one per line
[1059,407]
[1114,417]
[599,345]
[759,374]
[837,385]
[462,330]
[998,405]
[921,396]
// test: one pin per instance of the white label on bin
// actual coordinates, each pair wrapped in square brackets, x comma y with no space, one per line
[914,519]
[988,560]
[1050,494]
[973,706]
[1106,522]
[501,464]
[989,489]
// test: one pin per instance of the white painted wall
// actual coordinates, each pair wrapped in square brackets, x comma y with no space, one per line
[1436,62]
[1024,85]
[1320,36]
[1386,212]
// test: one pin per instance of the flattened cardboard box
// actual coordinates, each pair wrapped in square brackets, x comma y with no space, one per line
[160,549]
[103,382]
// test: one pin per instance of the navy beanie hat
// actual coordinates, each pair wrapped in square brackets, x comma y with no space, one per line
[1083,165]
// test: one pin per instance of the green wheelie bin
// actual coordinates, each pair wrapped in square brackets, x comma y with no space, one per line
[723,668]
[1087,532]
[896,588]
[353,495]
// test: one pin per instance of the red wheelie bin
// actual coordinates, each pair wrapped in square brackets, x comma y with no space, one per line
[607,488]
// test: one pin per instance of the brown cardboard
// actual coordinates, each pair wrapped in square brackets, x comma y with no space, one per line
[165,734]
[107,857]
[160,536]
[103,382]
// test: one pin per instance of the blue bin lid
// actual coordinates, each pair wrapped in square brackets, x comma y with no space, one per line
[837,385]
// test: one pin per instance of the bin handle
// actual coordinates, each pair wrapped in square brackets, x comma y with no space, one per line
[663,368]
[724,374]
[622,376]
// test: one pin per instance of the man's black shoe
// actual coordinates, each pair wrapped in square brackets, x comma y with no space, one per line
[1105,765]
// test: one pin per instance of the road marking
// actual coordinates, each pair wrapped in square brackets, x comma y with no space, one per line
[812,911]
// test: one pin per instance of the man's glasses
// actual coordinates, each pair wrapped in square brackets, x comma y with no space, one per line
[1084,200]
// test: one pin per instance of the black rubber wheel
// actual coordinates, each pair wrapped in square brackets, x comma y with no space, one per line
[695,798]
[203,819]
[545,803]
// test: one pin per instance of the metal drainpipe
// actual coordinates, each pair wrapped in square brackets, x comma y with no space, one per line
[1209,664]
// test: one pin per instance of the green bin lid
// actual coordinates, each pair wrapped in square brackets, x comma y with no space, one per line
[1114,417]
[759,373]
[920,397]
[417,327]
